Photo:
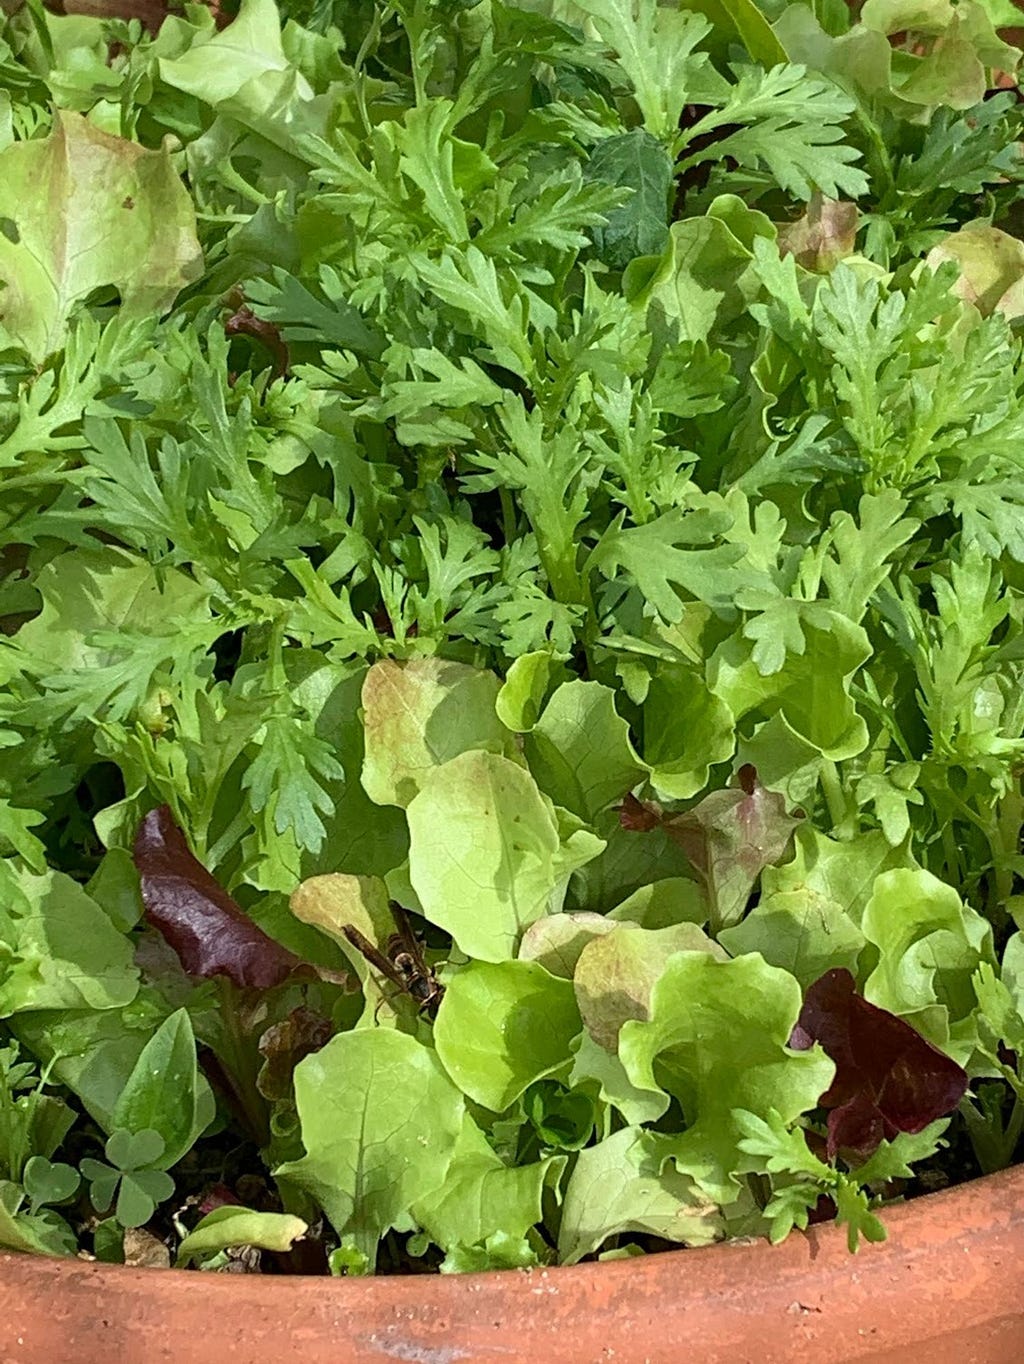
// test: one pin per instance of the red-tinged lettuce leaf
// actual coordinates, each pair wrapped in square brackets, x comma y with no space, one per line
[285,1044]
[824,235]
[84,211]
[210,933]
[730,837]
[888,1079]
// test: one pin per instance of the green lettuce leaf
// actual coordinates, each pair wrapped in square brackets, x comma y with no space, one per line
[487,852]
[61,950]
[503,1025]
[86,210]
[419,715]
[629,1182]
[579,751]
[482,1196]
[705,1015]
[380,1121]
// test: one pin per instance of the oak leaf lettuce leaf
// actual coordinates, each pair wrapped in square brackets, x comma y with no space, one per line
[889,1079]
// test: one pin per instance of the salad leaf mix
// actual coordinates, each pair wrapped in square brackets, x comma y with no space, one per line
[511,624]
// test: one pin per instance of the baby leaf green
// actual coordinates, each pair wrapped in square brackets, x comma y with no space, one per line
[237,1226]
[486,853]
[628,1182]
[165,1092]
[503,1025]
[580,752]
[420,714]
[379,1119]
[717,1041]
[89,210]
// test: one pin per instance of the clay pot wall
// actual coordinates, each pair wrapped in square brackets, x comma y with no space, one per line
[946,1288]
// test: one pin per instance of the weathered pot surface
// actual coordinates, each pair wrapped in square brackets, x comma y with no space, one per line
[944,1289]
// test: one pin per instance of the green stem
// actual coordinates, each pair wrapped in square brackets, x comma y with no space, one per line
[878,146]
[238,1055]
[951,854]
[558,560]
[508,515]
[832,790]
[1005,843]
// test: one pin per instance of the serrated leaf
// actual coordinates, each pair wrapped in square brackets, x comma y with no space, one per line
[655,48]
[654,557]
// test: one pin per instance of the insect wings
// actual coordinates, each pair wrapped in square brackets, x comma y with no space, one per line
[402,963]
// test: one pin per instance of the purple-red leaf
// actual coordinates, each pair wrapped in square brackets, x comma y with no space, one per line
[639,816]
[210,933]
[888,1079]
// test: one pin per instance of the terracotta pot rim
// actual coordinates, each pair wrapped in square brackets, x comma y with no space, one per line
[741,1302]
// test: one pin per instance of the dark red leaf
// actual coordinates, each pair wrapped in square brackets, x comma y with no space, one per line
[888,1079]
[823,1211]
[746,777]
[244,322]
[639,816]
[207,929]
[217,1196]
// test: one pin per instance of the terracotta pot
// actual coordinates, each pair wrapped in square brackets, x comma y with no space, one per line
[944,1289]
